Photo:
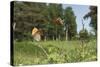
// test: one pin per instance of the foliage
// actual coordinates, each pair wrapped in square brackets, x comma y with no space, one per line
[52,29]
[42,16]
[70,22]
[84,36]
[28,15]
[93,15]
[28,52]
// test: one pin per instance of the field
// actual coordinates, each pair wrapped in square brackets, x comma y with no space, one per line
[51,52]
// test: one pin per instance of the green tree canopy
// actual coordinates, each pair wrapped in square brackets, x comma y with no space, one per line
[93,15]
[70,22]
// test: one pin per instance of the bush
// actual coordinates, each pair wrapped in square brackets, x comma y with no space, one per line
[84,35]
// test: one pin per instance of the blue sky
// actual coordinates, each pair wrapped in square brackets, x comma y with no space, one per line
[80,11]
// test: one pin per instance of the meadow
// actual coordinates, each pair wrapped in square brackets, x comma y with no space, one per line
[54,52]
[58,37]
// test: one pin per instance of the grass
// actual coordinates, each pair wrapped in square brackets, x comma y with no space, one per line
[51,52]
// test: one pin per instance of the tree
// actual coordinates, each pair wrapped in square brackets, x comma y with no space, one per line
[26,16]
[70,23]
[54,12]
[93,15]
[84,37]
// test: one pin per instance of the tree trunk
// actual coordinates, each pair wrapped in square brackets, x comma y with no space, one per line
[56,32]
[14,26]
[53,38]
[59,36]
[66,35]
[45,38]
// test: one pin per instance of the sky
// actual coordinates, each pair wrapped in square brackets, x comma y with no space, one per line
[80,11]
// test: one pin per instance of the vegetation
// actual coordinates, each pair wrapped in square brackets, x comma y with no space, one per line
[28,52]
[70,23]
[60,43]
[40,15]
[93,15]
